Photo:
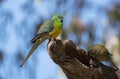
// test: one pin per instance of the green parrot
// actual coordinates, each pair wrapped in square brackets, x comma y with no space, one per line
[49,29]
[102,54]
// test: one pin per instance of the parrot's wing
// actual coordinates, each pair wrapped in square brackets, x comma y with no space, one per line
[37,37]
[45,28]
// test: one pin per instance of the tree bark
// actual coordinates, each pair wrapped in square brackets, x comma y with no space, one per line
[76,62]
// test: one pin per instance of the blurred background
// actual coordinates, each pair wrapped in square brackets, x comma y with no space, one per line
[86,22]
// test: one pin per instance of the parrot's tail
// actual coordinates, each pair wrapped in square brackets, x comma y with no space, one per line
[37,43]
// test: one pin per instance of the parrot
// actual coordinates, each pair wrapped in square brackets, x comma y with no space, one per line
[49,29]
[100,52]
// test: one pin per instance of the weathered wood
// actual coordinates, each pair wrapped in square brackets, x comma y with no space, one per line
[76,62]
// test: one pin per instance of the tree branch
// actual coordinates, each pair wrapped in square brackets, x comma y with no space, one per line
[76,62]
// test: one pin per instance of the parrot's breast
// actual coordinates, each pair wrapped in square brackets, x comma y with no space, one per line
[56,31]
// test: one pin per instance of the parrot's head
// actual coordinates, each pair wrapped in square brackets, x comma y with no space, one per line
[58,18]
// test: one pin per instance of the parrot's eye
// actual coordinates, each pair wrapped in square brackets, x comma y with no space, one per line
[61,20]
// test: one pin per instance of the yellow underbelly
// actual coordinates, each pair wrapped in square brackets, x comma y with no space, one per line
[56,31]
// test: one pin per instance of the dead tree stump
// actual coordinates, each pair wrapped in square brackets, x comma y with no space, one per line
[76,62]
